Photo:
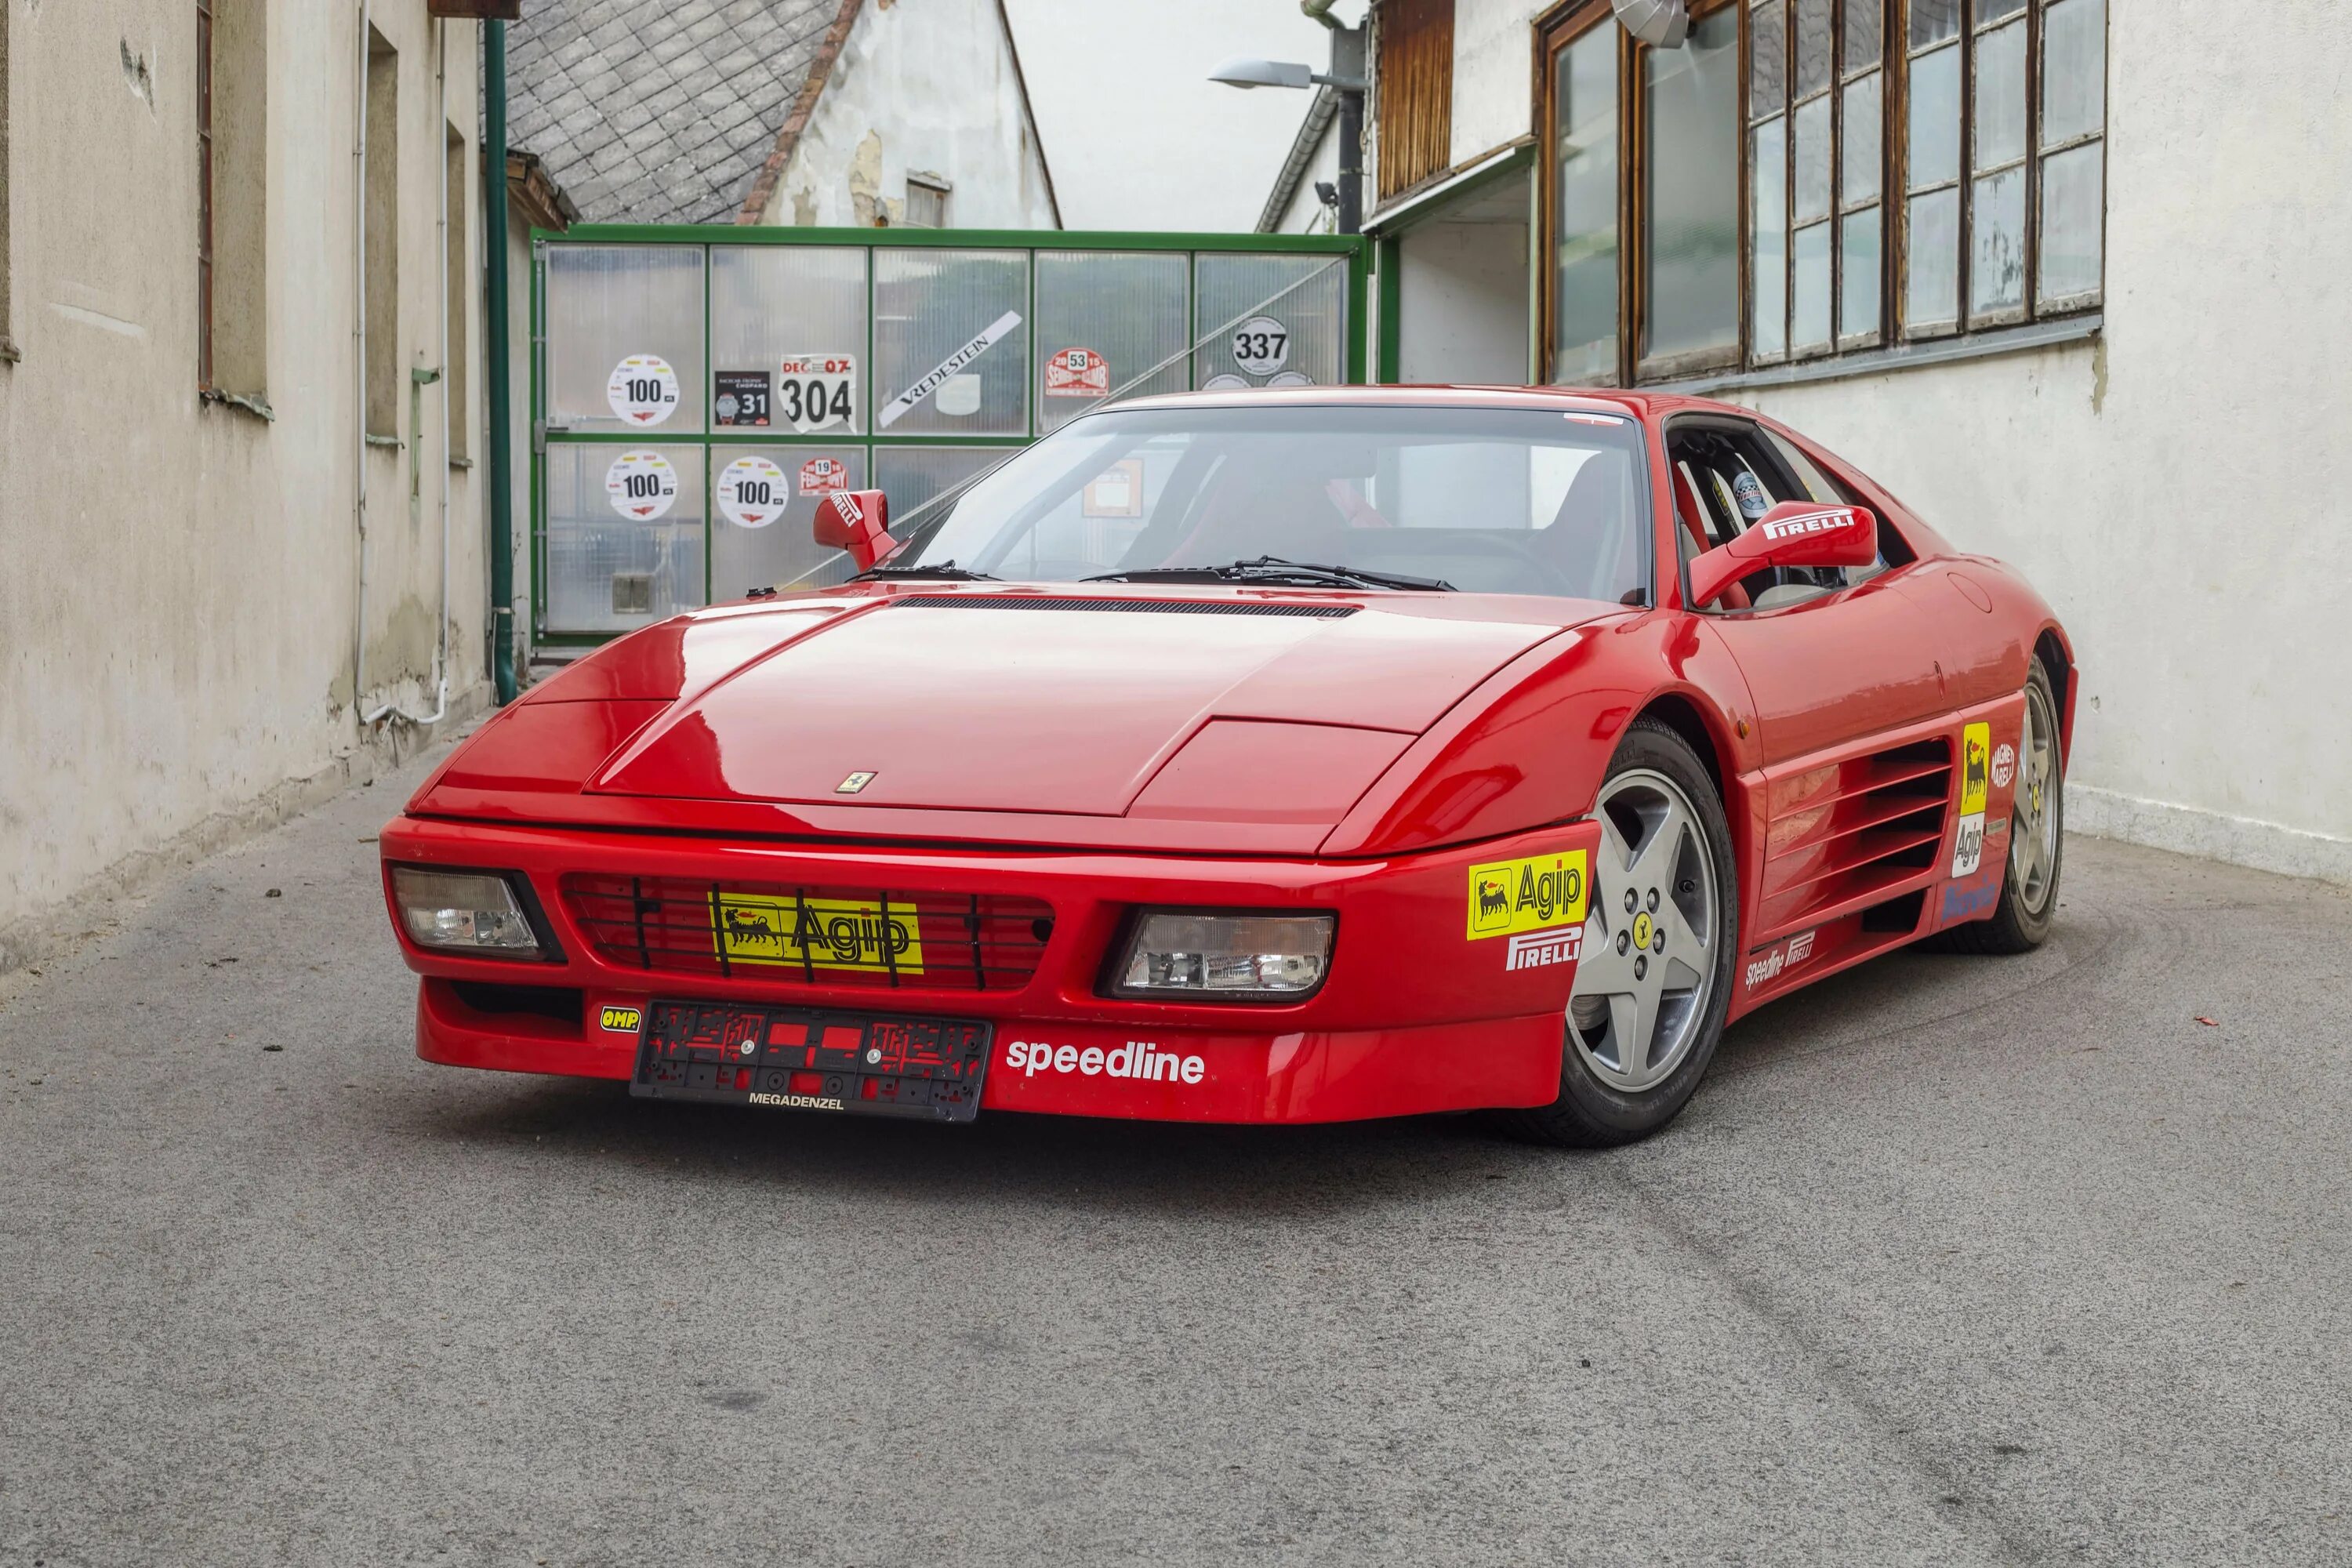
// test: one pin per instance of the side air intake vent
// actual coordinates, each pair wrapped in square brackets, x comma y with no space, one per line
[1851,835]
[1132,606]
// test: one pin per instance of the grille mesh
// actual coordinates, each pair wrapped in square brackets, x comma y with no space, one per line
[1131,607]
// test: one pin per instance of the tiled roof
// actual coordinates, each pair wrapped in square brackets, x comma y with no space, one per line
[659,110]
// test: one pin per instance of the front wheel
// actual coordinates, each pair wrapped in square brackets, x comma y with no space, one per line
[1653,976]
[2020,921]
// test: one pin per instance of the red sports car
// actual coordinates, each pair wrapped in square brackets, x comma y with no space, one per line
[1280,756]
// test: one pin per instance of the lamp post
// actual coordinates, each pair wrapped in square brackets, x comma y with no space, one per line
[1345,77]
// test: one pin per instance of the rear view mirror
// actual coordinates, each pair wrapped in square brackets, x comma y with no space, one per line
[1793,533]
[854,520]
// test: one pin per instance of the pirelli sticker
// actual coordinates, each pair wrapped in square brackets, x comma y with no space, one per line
[818,933]
[1538,903]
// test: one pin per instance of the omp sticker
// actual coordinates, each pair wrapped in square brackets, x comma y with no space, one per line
[1748,492]
[751,492]
[982,342]
[641,485]
[643,391]
[620,1020]
[1784,955]
[1077,372]
[820,934]
[1967,844]
[1976,751]
[1507,896]
[1261,346]
[1136,1060]
[2004,765]
[816,391]
[819,475]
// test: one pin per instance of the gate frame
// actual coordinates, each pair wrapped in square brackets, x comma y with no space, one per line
[1355,248]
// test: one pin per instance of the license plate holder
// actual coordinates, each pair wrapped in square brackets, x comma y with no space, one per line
[812,1058]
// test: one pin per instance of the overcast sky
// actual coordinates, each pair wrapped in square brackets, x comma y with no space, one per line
[1136,136]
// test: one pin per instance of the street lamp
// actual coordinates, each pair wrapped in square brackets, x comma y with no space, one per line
[1345,77]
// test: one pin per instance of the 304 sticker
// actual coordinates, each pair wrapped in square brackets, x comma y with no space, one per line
[1507,896]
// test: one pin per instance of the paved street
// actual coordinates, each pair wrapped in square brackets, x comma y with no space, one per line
[1955,1261]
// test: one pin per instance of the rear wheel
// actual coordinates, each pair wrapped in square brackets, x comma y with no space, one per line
[1653,978]
[2020,921]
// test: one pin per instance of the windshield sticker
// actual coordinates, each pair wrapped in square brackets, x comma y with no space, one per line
[820,475]
[742,398]
[641,485]
[1261,346]
[1600,420]
[1748,492]
[986,339]
[814,392]
[1117,491]
[643,391]
[751,492]
[1077,372]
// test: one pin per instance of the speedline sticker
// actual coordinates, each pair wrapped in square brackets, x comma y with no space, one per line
[1507,896]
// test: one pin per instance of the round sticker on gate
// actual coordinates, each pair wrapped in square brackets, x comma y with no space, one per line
[641,485]
[1292,378]
[1261,346]
[2004,765]
[821,476]
[1225,382]
[751,492]
[643,391]
[1748,492]
[814,390]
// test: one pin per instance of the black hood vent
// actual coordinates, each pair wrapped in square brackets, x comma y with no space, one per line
[1132,606]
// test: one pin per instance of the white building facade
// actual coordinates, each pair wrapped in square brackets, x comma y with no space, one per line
[2064,274]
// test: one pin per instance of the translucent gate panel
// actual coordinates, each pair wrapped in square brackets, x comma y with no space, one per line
[763,501]
[1270,320]
[951,331]
[788,338]
[624,528]
[910,476]
[1104,319]
[625,338]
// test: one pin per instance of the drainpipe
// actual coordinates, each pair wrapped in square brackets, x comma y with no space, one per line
[359,358]
[1349,78]
[496,328]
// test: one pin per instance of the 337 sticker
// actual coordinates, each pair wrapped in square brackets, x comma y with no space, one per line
[1539,902]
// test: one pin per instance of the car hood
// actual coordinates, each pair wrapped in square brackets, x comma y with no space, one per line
[855,714]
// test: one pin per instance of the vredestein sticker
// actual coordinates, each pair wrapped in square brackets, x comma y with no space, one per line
[643,391]
[641,485]
[980,343]
[753,492]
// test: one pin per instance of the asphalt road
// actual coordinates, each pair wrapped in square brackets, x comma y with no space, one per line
[1953,1261]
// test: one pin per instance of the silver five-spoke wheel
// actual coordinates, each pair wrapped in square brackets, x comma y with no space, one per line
[1646,974]
[2033,825]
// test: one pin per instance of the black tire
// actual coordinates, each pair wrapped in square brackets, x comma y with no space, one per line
[1590,1112]
[2021,920]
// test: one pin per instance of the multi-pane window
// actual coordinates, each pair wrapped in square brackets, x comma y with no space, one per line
[1816,176]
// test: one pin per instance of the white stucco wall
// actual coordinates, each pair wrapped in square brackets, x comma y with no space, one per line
[924,86]
[1464,317]
[177,579]
[1305,213]
[1492,83]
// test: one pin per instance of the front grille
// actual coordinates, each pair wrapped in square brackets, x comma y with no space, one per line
[1132,606]
[834,936]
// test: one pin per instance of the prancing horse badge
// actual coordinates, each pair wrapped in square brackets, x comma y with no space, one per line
[853,783]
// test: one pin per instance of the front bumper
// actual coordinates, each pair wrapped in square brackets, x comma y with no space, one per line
[1416,1016]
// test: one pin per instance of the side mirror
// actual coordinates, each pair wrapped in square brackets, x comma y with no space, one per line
[1793,533]
[854,520]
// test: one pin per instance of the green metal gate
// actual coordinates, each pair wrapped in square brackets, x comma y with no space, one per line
[695,389]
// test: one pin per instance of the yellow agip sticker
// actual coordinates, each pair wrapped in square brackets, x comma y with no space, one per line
[1976,756]
[818,933]
[1511,896]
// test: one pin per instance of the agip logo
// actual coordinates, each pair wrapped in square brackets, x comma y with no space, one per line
[1507,896]
[818,933]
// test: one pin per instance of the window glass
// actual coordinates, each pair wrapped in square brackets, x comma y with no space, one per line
[2001,97]
[1693,191]
[952,339]
[1858,176]
[1813,160]
[1858,273]
[1933,21]
[783,317]
[1936,118]
[1767,61]
[1809,313]
[1996,252]
[2073,70]
[1813,53]
[2071,214]
[1104,321]
[1584,218]
[1862,39]
[1931,290]
[764,499]
[1767,233]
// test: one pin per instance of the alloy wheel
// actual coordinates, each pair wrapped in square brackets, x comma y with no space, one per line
[1647,970]
[2033,816]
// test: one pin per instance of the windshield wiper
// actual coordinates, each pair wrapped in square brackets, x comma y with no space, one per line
[946,571]
[1275,569]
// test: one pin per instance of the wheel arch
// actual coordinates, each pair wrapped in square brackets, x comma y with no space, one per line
[2057,657]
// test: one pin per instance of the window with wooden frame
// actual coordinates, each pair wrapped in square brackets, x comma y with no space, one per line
[1416,92]
[1803,178]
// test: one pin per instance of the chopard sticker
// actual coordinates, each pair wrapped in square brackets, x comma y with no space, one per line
[1976,748]
[742,398]
[1077,372]
[1967,844]
[1136,1060]
[1784,955]
[641,485]
[643,391]
[820,934]
[814,390]
[751,492]
[982,342]
[1507,896]
[819,475]
[620,1020]
[2004,765]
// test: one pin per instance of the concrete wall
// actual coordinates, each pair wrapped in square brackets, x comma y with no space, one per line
[927,86]
[1492,74]
[1464,309]
[178,577]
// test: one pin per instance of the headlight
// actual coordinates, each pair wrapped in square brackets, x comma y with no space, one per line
[1236,958]
[465,911]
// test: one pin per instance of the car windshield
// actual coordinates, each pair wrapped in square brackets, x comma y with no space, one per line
[1496,500]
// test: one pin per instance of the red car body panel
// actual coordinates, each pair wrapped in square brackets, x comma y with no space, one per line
[1358,765]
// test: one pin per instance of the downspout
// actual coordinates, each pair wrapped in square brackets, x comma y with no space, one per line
[494,335]
[1348,64]
[359,357]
